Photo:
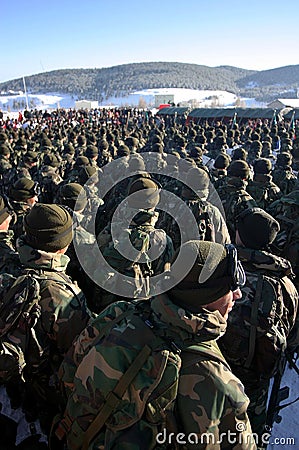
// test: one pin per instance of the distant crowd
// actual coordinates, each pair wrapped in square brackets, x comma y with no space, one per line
[206,350]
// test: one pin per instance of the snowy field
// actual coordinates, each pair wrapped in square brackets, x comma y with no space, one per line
[203,98]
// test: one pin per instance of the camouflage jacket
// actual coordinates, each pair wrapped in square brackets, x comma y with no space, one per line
[20,209]
[210,399]
[235,199]
[285,179]
[63,310]
[9,258]
[211,225]
[263,190]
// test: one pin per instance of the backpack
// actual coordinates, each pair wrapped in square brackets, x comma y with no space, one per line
[19,312]
[202,218]
[138,267]
[259,325]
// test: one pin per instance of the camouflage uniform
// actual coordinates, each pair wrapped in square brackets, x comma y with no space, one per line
[286,210]
[63,316]
[20,209]
[145,238]
[285,179]
[263,190]
[211,224]
[9,259]
[256,375]
[93,367]
[235,199]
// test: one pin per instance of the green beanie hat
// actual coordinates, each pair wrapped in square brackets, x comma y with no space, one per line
[147,198]
[222,161]
[211,259]
[262,165]
[86,172]
[4,211]
[257,229]
[72,195]
[48,227]
[23,189]
[238,168]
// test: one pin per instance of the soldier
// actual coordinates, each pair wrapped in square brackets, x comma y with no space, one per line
[32,394]
[233,194]
[286,212]
[48,233]
[283,174]
[9,259]
[265,320]
[128,251]
[198,396]
[23,196]
[210,222]
[262,188]
[74,197]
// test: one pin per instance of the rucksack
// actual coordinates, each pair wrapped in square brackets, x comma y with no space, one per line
[199,210]
[258,326]
[137,267]
[19,312]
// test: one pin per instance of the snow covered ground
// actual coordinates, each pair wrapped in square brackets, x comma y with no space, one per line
[288,428]
[202,98]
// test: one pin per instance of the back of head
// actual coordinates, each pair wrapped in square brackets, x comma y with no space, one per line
[23,189]
[48,227]
[262,165]
[72,195]
[143,194]
[239,169]
[222,161]
[215,272]
[257,229]
[284,159]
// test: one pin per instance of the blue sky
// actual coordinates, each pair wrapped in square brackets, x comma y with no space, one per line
[40,36]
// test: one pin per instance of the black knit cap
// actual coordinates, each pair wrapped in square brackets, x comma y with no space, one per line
[148,194]
[212,261]
[86,172]
[91,151]
[4,149]
[22,190]
[262,165]
[238,168]
[222,161]
[51,160]
[72,195]
[257,229]
[48,227]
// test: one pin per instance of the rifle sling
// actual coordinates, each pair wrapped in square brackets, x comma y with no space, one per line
[114,397]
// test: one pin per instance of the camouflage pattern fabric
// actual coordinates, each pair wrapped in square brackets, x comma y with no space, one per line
[145,238]
[211,224]
[285,179]
[9,258]
[235,199]
[64,313]
[20,209]
[274,328]
[96,362]
[263,190]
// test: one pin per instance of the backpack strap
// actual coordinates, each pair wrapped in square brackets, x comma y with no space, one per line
[254,321]
[115,397]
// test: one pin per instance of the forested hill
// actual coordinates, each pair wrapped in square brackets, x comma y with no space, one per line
[99,84]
